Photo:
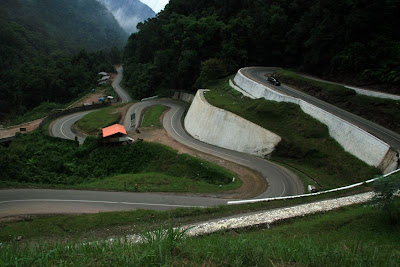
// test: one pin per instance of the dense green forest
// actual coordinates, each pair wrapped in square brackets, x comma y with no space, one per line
[47,50]
[193,40]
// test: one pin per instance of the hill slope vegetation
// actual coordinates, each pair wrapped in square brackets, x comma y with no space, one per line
[355,40]
[41,52]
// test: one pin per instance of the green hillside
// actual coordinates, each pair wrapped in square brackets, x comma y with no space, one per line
[344,40]
[48,49]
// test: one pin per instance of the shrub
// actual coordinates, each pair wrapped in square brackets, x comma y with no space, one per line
[386,190]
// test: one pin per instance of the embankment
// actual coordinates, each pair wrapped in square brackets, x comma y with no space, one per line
[222,128]
[353,139]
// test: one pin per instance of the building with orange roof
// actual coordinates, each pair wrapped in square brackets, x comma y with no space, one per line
[116,129]
[116,134]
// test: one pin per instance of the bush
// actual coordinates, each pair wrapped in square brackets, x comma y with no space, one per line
[37,158]
[386,190]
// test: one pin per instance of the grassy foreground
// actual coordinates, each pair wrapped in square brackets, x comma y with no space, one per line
[306,144]
[152,115]
[105,225]
[353,236]
[384,112]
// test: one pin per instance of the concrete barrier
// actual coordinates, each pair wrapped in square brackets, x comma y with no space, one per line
[353,139]
[149,98]
[312,194]
[183,96]
[65,112]
[222,128]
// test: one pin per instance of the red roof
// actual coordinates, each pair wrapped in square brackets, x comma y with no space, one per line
[113,129]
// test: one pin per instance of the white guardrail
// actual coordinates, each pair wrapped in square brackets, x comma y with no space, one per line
[311,194]
[149,98]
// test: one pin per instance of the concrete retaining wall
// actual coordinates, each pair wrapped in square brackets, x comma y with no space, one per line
[222,128]
[353,139]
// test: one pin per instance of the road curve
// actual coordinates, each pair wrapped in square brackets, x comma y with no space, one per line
[62,128]
[42,201]
[359,90]
[125,98]
[393,139]
[281,182]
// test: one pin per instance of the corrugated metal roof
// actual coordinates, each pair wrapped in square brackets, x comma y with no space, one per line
[113,129]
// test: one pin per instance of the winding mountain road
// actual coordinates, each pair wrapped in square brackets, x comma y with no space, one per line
[62,128]
[281,181]
[43,201]
[393,139]
[125,98]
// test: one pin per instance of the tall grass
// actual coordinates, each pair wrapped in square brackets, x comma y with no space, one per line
[353,236]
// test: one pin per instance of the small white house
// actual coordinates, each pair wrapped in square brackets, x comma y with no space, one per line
[105,78]
[103,73]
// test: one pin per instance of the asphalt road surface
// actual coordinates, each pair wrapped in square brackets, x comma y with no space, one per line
[125,98]
[281,181]
[28,201]
[62,128]
[393,139]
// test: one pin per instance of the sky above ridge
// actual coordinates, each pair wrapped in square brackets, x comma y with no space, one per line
[156,5]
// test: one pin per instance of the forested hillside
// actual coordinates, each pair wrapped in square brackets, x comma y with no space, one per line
[41,56]
[193,40]
[69,25]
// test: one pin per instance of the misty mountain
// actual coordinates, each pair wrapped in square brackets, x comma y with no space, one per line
[129,13]
[49,51]
[64,24]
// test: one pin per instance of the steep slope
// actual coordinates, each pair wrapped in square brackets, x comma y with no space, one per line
[39,45]
[129,13]
[348,40]
[69,24]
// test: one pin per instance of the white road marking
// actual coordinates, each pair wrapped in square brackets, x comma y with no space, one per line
[97,201]
[173,128]
[62,126]
[284,188]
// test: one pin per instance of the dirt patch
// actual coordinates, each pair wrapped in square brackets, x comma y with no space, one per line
[253,183]
[113,76]
[29,126]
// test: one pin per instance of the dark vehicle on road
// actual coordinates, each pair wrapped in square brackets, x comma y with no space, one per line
[274,81]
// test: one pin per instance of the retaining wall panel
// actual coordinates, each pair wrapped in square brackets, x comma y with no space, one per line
[221,128]
[353,139]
